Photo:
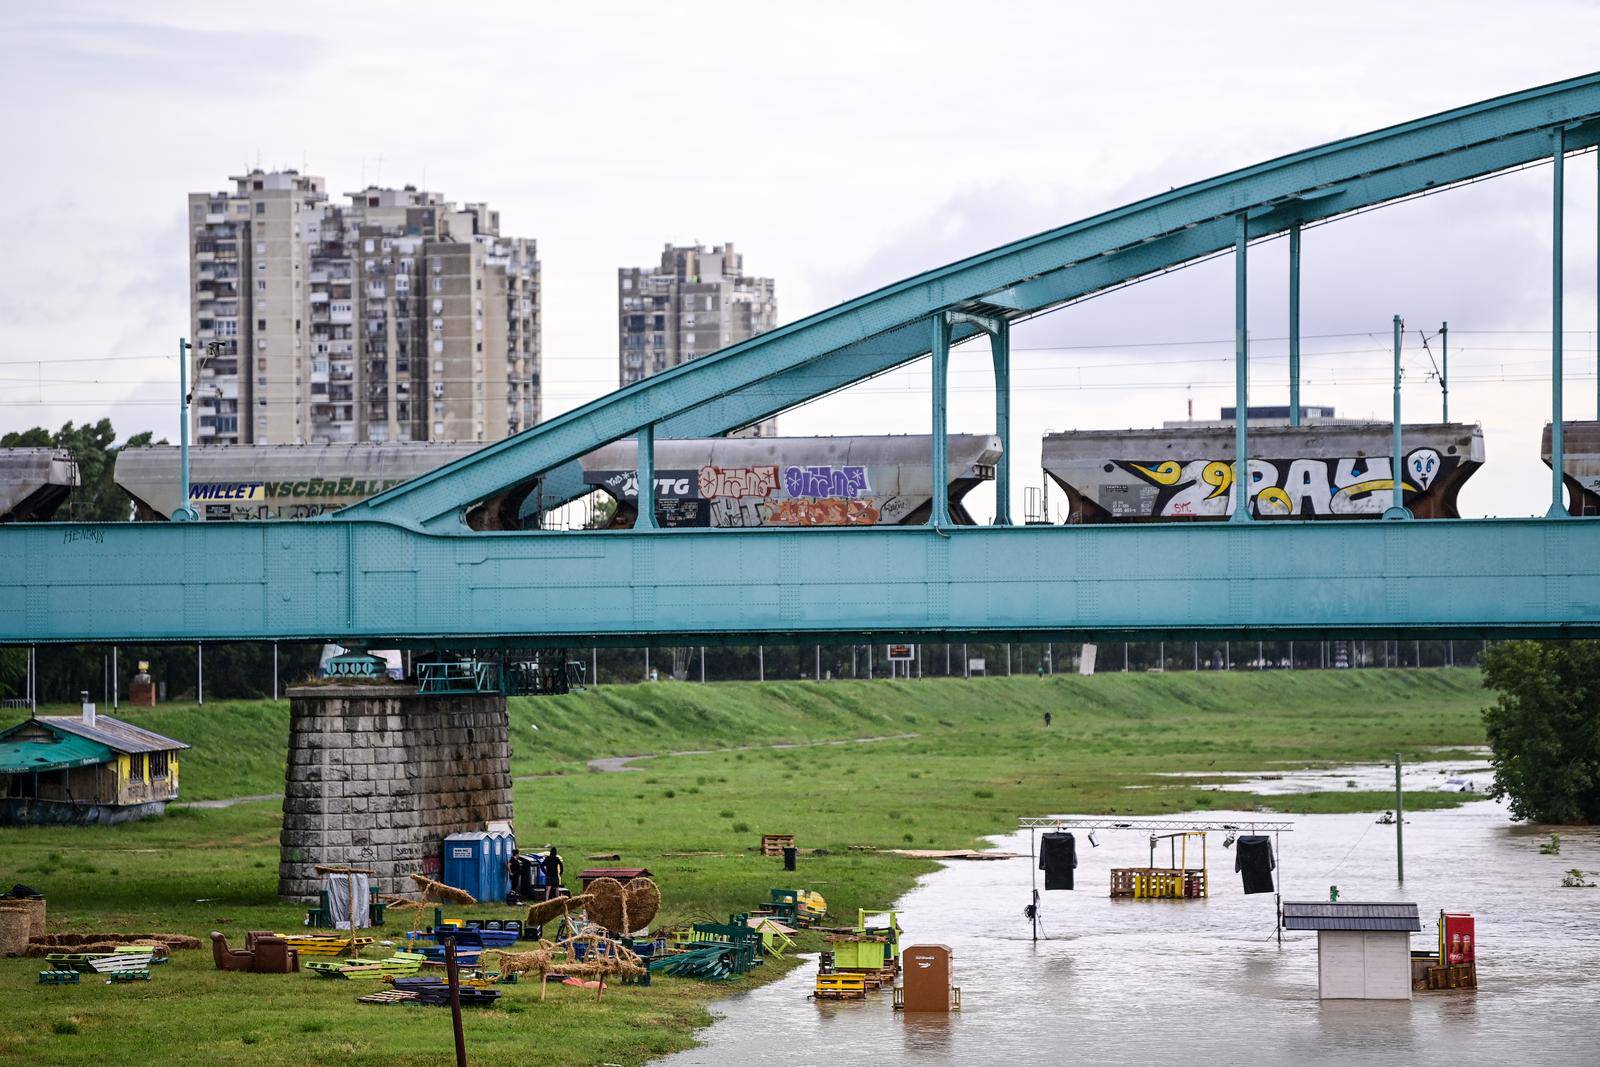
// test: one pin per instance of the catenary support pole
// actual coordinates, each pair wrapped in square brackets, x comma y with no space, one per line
[1294,325]
[819,663]
[647,663]
[115,681]
[1444,368]
[594,667]
[761,663]
[274,670]
[939,513]
[702,664]
[199,673]
[966,661]
[1557,281]
[646,518]
[1241,374]
[1397,470]
[1399,825]
[1000,349]
[185,511]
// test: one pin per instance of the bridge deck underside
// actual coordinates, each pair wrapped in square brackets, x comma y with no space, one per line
[372,581]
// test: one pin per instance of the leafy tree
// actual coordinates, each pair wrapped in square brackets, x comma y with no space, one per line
[97,499]
[1544,728]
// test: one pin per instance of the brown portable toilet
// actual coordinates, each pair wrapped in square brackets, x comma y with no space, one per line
[926,982]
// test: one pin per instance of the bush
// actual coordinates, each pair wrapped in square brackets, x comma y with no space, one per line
[1544,728]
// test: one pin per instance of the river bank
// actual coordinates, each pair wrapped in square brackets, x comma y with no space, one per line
[980,756]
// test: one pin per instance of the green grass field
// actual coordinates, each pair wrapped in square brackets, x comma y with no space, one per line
[979,757]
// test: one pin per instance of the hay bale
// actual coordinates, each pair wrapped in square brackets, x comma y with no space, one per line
[15,922]
[36,910]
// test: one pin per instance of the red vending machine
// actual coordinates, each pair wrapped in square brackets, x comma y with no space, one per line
[1458,944]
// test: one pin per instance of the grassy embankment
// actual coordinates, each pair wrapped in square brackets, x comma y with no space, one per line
[979,758]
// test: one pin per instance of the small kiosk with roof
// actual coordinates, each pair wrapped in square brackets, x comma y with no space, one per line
[1363,949]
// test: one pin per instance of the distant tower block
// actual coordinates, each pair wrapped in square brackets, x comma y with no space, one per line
[378,776]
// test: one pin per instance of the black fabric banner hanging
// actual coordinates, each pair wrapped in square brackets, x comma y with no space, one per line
[1058,855]
[1252,857]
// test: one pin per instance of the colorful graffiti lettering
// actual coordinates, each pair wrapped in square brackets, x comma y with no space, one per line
[820,482]
[718,482]
[1349,486]
[830,512]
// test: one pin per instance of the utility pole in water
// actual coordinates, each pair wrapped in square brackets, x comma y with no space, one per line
[1399,825]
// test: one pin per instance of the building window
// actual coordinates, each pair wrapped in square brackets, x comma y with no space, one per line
[160,764]
[261,286]
[261,248]
[136,767]
[438,285]
[261,324]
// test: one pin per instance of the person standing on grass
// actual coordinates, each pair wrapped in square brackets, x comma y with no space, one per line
[1047,720]
[553,868]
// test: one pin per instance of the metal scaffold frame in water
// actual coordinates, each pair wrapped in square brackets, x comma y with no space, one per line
[1034,823]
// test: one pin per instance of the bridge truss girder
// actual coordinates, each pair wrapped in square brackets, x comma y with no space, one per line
[378,584]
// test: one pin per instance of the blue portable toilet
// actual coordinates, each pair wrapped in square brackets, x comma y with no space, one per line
[503,845]
[468,861]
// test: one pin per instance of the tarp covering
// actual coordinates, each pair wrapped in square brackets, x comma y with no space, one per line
[339,890]
[22,757]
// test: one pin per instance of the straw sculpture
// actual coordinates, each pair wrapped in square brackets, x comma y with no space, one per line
[439,893]
[602,957]
[542,911]
[623,909]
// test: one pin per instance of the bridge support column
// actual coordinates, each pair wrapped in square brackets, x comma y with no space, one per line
[378,775]
[1241,373]
[939,514]
[1557,282]
[646,518]
[1000,349]
[1294,325]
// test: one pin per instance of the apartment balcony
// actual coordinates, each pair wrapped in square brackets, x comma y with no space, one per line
[318,297]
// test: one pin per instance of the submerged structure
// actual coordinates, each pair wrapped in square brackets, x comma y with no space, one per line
[1324,468]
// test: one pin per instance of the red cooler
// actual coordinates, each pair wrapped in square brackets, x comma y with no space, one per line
[1458,940]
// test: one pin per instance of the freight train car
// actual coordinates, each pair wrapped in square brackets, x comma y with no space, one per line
[1580,447]
[792,481]
[1323,469]
[34,482]
[800,481]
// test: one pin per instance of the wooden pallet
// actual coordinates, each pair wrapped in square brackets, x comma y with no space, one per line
[58,977]
[142,975]
[389,996]
[841,985]
[774,844]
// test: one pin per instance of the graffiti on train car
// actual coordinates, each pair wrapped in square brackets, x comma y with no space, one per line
[762,495]
[1203,488]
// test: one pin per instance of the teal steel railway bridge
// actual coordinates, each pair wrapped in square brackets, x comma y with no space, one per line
[404,568]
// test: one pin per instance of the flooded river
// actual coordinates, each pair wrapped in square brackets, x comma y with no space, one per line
[1205,981]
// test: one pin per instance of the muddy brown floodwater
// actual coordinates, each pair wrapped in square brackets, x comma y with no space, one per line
[1186,982]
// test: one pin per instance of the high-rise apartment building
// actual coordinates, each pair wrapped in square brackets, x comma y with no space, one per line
[695,302]
[395,316]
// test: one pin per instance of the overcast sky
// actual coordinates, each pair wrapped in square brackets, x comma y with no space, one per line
[840,146]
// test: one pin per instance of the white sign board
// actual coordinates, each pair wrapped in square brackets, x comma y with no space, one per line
[1086,659]
[902,653]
